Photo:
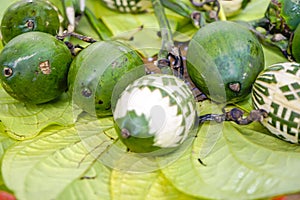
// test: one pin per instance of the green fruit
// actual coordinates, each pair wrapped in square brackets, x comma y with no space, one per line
[283,16]
[155,112]
[29,15]
[296,44]
[97,69]
[34,67]
[290,12]
[277,91]
[223,60]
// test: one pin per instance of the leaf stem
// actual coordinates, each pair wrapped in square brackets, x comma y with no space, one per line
[236,115]
[168,48]
[101,29]
[165,30]
[198,18]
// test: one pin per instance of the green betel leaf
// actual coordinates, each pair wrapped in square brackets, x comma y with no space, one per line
[127,27]
[131,186]
[168,191]
[245,162]
[145,41]
[56,165]
[93,184]
[254,10]
[24,121]
[5,143]
[145,186]
[273,56]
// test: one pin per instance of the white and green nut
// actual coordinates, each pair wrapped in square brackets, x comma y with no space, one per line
[155,112]
[277,91]
[127,6]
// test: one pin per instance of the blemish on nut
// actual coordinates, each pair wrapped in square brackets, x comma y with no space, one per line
[114,64]
[45,67]
[125,133]
[7,71]
[30,24]
[86,92]
[235,87]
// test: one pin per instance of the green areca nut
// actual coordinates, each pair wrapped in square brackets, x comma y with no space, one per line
[29,15]
[34,67]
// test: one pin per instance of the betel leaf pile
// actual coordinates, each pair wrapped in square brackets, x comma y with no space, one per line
[48,152]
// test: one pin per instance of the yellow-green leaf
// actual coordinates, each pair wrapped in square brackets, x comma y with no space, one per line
[58,163]
[24,121]
[246,162]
